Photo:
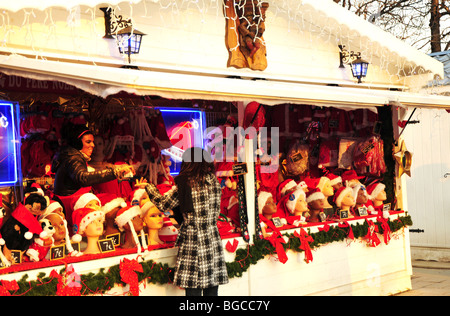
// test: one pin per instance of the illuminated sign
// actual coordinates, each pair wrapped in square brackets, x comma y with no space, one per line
[185,129]
[8,144]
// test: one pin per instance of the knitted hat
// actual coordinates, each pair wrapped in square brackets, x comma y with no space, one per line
[340,194]
[82,217]
[293,197]
[85,199]
[262,199]
[110,202]
[334,179]
[374,189]
[314,194]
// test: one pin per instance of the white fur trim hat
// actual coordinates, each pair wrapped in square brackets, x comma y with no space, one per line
[262,199]
[313,195]
[339,195]
[293,197]
[85,199]
[126,214]
[114,203]
[374,189]
[334,179]
[82,217]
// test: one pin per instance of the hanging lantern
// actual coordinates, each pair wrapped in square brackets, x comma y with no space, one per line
[129,42]
[359,68]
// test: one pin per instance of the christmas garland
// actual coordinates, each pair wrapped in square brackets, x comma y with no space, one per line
[157,273]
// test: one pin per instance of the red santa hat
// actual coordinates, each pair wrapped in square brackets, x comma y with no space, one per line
[374,189]
[262,199]
[125,216]
[38,188]
[311,183]
[254,115]
[293,197]
[350,175]
[334,179]
[84,199]
[52,207]
[24,216]
[82,217]
[110,202]
[314,194]
[285,186]
[340,194]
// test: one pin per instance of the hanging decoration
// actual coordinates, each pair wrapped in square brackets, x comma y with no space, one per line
[403,158]
[128,269]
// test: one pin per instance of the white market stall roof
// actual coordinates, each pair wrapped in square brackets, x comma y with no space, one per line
[107,80]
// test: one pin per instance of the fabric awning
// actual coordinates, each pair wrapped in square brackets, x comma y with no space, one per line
[104,81]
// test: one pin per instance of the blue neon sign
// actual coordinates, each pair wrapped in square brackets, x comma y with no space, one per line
[8,144]
[185,129]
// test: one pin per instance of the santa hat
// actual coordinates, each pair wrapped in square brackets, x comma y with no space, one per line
[82,217]
[285,186]
[125,216]
[340,194]
[314,194]
[254,115]
[53,206]
[262,199]
[334,179]
[85,199]
[24,216]
[38,188]
[350,175]
[293,197]
[311,183]
[374,189]
[110,202]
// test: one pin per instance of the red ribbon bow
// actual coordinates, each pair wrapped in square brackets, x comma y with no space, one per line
[350,230]
[372,238]
[325,228]
[232,247]
[128,269]
[305,239]
[68,283]
[386,229]
[8,286]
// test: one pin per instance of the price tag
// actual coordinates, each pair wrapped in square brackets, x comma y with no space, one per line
[296,157]
[57,252]
[387,207]
[240,169]
[106,245]
[343,214]
[362,211]
[115,238]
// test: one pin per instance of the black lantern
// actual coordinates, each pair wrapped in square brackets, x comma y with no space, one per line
[129,42]
[359,66]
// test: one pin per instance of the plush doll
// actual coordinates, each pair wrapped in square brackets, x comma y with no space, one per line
[377,195]
[316,203]
[129,220]
[18,230]
[344,200]
[39,248]
[153,221]
[88,223]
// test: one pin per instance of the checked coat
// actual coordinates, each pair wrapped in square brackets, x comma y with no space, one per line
[200,261]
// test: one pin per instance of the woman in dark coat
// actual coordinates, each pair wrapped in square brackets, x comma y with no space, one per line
[200,263]
[70,164]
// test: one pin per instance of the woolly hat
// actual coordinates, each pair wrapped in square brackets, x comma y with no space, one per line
[374,189]
[314,194]
[82,217]
[24,216]
[285,186]
[334,179]
[293,197]
[110,202]
[262,199]
[340,194]
[85,199]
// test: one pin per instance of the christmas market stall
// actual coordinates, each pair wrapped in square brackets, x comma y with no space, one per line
[301,104]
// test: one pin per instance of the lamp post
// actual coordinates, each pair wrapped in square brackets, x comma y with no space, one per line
[129,42]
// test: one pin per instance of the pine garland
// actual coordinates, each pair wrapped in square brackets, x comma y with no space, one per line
[157,273]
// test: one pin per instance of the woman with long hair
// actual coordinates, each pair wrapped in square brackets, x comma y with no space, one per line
[201,264]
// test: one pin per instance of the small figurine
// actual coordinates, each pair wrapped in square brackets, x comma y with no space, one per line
[88,222]
[344,201]
[39,248]
[153,221]
[168,233]
[316,203]
[128,219]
